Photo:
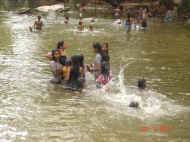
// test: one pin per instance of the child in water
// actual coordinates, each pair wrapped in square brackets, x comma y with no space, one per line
[38,24]
[66,21]
[80,25]
[91,28]
[105,75]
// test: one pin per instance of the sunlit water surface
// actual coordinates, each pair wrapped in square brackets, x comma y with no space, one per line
[32,109]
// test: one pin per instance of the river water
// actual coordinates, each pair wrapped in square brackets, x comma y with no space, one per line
[32,109]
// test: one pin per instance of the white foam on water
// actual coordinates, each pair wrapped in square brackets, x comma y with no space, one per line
[86,31]
[152,105]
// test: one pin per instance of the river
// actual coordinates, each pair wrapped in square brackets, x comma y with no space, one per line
[33,109]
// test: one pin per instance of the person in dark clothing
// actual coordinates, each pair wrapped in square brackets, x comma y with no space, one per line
[76,80]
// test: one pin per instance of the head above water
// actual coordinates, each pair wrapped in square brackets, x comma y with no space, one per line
[78,59]
[67,17]
[39,17]
[105,47]
[97,47]
[141,84]
[55,55]
[68,62]
[60,45]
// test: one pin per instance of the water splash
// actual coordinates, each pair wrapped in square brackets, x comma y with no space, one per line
[120,95]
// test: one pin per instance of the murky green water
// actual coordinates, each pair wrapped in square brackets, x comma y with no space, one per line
[32,109]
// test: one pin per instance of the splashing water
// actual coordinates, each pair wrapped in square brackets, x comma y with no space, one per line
[119,95]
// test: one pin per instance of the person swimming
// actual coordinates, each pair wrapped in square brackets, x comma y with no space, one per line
[141,84]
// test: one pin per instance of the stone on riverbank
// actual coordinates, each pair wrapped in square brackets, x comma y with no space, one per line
[24,11]
[48,8]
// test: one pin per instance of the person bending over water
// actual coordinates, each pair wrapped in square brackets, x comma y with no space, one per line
[61,46]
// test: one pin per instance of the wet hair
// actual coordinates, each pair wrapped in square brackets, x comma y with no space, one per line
[134,104]
[68,62]
[53,54]
[80,23]
[107,47]
[98,47]
[75,63]
[141,84]
[39,17]
[60,44]
[81,60]
[67,17]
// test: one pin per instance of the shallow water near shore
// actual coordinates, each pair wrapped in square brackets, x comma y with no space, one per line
[32,109]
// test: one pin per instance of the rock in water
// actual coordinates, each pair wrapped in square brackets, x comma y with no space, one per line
[47,8]
[24,11]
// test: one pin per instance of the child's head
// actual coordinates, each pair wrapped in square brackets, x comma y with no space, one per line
[68,62]
[141,83]
[97,47]
[39,17]
[55,55]
[66,17]
[60,45]
[105,47]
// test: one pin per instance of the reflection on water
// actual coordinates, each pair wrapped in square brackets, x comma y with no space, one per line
[32,109]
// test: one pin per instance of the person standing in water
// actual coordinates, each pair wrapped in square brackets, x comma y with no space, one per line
[98,59]
[80,25]
[38,24]
[105,75]
[56,68]
[66,21]
[128,24]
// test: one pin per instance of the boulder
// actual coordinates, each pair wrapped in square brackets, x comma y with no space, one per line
[24,11]
[48,8]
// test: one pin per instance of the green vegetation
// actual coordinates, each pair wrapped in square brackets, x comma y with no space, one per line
[185,6]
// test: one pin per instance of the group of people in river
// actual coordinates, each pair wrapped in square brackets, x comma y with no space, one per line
[70,71]
[137,20]
[81,25]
